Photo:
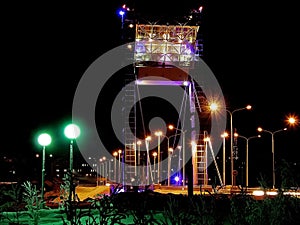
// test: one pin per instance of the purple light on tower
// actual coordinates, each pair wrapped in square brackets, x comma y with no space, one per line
[161,82]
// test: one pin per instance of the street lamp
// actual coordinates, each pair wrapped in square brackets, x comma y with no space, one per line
[169,159]
[154,156]
[98,172]
[97,169]
[171,127]
[105,171]
[247,153]
[170,152]
[214,107]
[292,120]
[248,107]
[158,134]
[72,131]
[139,152]
[147,140]
[224,136]
[119,177]
[206,139]
[273,153]
[101,170]
[44,140]
[138,156]
[115,154]
[110,169]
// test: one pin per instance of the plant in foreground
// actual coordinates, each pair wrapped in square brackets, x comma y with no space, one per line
[34,202]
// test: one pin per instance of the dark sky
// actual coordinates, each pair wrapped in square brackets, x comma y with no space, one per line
[251,47]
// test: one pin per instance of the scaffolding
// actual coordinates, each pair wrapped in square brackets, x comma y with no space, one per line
[166,43]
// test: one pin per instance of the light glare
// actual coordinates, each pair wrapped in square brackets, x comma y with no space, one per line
[72,131]
[44,139]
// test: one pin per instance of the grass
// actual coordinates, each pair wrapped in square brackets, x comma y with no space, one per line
[21,204]
[169,209]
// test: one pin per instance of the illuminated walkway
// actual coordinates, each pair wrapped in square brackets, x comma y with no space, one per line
[257,192]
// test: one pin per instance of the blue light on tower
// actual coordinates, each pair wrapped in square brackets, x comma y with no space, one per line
[177,180]
[122,12]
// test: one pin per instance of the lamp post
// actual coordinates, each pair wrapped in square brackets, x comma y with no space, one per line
[147,140]
[171,127]
[179,165]
[158,134]
[101,170]
[72,131]
[139,156]
[273,153]
[206,139]
[247,154]
[248,107]
[105,169]
[115,154]
[44,140]
[119,172]
[110,169]
[97,170]
[224,135]
[139,152]
[154,156]
[170,152]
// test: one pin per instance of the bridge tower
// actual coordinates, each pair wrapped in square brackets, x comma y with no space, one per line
[168,52]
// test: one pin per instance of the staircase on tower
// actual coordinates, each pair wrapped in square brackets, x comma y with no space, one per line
[129,131]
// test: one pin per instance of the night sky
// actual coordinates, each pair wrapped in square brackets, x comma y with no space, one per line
[251,47]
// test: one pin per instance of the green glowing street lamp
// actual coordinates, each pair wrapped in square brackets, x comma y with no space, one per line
[44,140]
[72,131]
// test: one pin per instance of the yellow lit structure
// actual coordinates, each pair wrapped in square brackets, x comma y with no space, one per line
[166,43]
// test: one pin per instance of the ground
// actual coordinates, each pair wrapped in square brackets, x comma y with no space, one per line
[162,205]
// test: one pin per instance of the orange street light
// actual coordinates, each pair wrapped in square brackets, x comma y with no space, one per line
[224,136]
[158,134]
[247,153]
[273,154]
[214,107]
